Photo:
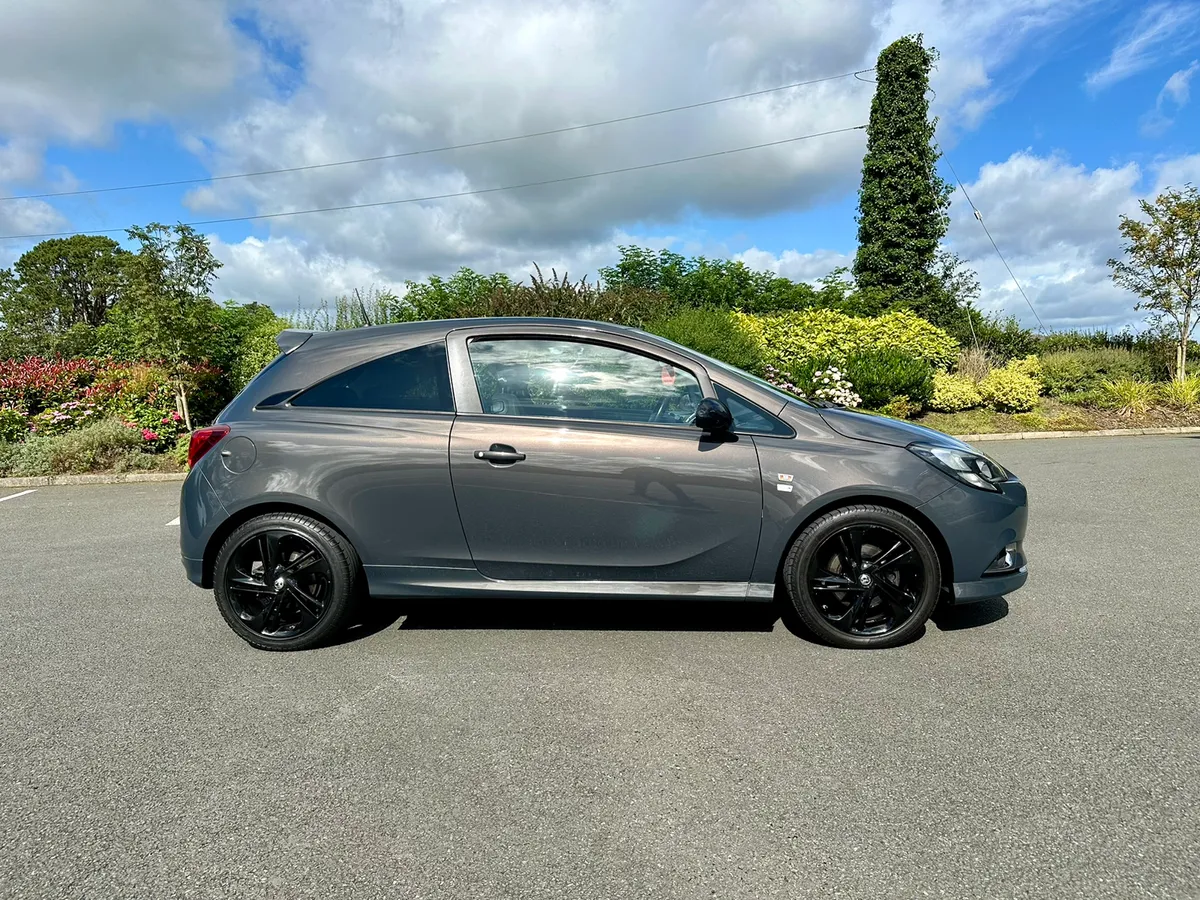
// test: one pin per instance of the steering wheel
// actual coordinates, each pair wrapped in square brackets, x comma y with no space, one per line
[660,414]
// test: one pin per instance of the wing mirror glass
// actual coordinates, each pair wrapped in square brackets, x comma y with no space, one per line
[714,416]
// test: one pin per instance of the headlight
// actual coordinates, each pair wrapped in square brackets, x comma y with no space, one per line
[967,466]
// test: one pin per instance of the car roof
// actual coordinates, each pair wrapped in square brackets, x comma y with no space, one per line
[438,327]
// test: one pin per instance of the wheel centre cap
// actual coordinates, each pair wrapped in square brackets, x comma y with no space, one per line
[279,583]
[864,580]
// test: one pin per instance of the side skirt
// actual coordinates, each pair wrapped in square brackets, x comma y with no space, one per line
[426,581]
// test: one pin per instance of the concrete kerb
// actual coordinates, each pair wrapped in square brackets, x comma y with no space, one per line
[151,477]
[120,478]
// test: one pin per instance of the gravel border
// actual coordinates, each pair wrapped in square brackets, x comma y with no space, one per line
[143,477]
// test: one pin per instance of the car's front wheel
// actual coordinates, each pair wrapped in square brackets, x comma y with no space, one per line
[285,581]
[863,576]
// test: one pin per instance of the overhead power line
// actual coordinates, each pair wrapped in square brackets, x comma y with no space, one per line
[429,150]
[979,217]
[432,197]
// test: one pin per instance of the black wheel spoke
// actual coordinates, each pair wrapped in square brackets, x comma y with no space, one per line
[306,601]
[268,548]
[897,553]
[901,602]
[258,621]
[835,583]
[850,551]
[252,585]
[305,561]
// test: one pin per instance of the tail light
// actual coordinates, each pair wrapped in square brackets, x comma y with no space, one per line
[203,440]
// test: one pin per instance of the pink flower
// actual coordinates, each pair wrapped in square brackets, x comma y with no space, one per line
[149,435]
[175,417]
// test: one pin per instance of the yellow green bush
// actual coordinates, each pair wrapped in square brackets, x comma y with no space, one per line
[788,339]
[1128,396]
[1030,366]
[1009,390]
[952,393]
[1181,394]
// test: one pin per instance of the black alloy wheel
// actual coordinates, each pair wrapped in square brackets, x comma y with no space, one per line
[867,579]
[285,582]
[863,576]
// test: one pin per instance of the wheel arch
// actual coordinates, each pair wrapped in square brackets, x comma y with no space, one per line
[245,514]
[945,560]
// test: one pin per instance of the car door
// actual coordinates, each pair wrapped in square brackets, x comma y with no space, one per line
[573,458]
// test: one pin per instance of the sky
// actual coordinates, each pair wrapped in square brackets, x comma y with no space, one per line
[1057,115]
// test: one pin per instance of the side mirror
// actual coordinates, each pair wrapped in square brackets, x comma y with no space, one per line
[714,416]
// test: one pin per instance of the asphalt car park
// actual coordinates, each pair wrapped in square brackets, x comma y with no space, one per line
[1039,746]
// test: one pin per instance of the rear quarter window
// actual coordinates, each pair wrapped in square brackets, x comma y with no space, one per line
[414,380]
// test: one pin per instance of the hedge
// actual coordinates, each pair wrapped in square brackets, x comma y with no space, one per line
[790,339]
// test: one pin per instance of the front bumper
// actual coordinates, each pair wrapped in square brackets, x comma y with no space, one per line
[978,526]
[988,588]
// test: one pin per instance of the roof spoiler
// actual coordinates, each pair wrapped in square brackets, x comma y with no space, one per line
[291,338]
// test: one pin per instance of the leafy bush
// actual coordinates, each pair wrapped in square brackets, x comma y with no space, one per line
[256,350]
[1181,394]
[952,393]
[14,424]
[900,408]
[714,332]
[103,445]
[1028,365]
[789,339]
[1009,390]
[1067,371]
[1127,396]
[1083,398]
[883,374]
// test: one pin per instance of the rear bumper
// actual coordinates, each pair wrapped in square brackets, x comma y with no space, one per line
[194,569]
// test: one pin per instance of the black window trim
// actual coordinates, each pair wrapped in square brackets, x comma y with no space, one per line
[373,410]
[787,430]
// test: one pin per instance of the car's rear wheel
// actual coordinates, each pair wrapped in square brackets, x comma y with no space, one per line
[863,576]
[285,581]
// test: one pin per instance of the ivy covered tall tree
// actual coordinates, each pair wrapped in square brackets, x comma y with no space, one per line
[903,202]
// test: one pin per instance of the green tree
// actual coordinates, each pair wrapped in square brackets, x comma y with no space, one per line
[167,312]
[903,202]
[1162,266]
[62,287]
[438,298]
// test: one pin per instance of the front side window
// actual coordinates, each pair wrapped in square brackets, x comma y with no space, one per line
[416,380]
[579,380]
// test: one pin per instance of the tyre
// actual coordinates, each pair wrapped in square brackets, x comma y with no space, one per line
[863,577]
[285,581]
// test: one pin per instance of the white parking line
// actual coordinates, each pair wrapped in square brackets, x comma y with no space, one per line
[174,521]
[15,496]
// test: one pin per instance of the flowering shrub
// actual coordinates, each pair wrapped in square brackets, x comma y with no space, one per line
[64,417]
[781,381]
[832,386]
[952,393]
[33,384]
[43,398]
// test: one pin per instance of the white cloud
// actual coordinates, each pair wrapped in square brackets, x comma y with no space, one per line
[71,68]
[1056,224]
[380,78]
[1161,31]
[810,267]
[1172,98]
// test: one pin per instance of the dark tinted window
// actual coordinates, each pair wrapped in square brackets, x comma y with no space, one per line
[750,417]
[415,380]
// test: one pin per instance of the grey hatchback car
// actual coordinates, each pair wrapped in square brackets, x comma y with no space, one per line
[581,461]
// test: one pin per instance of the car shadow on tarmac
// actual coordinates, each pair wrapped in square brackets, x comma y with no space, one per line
[620,615]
